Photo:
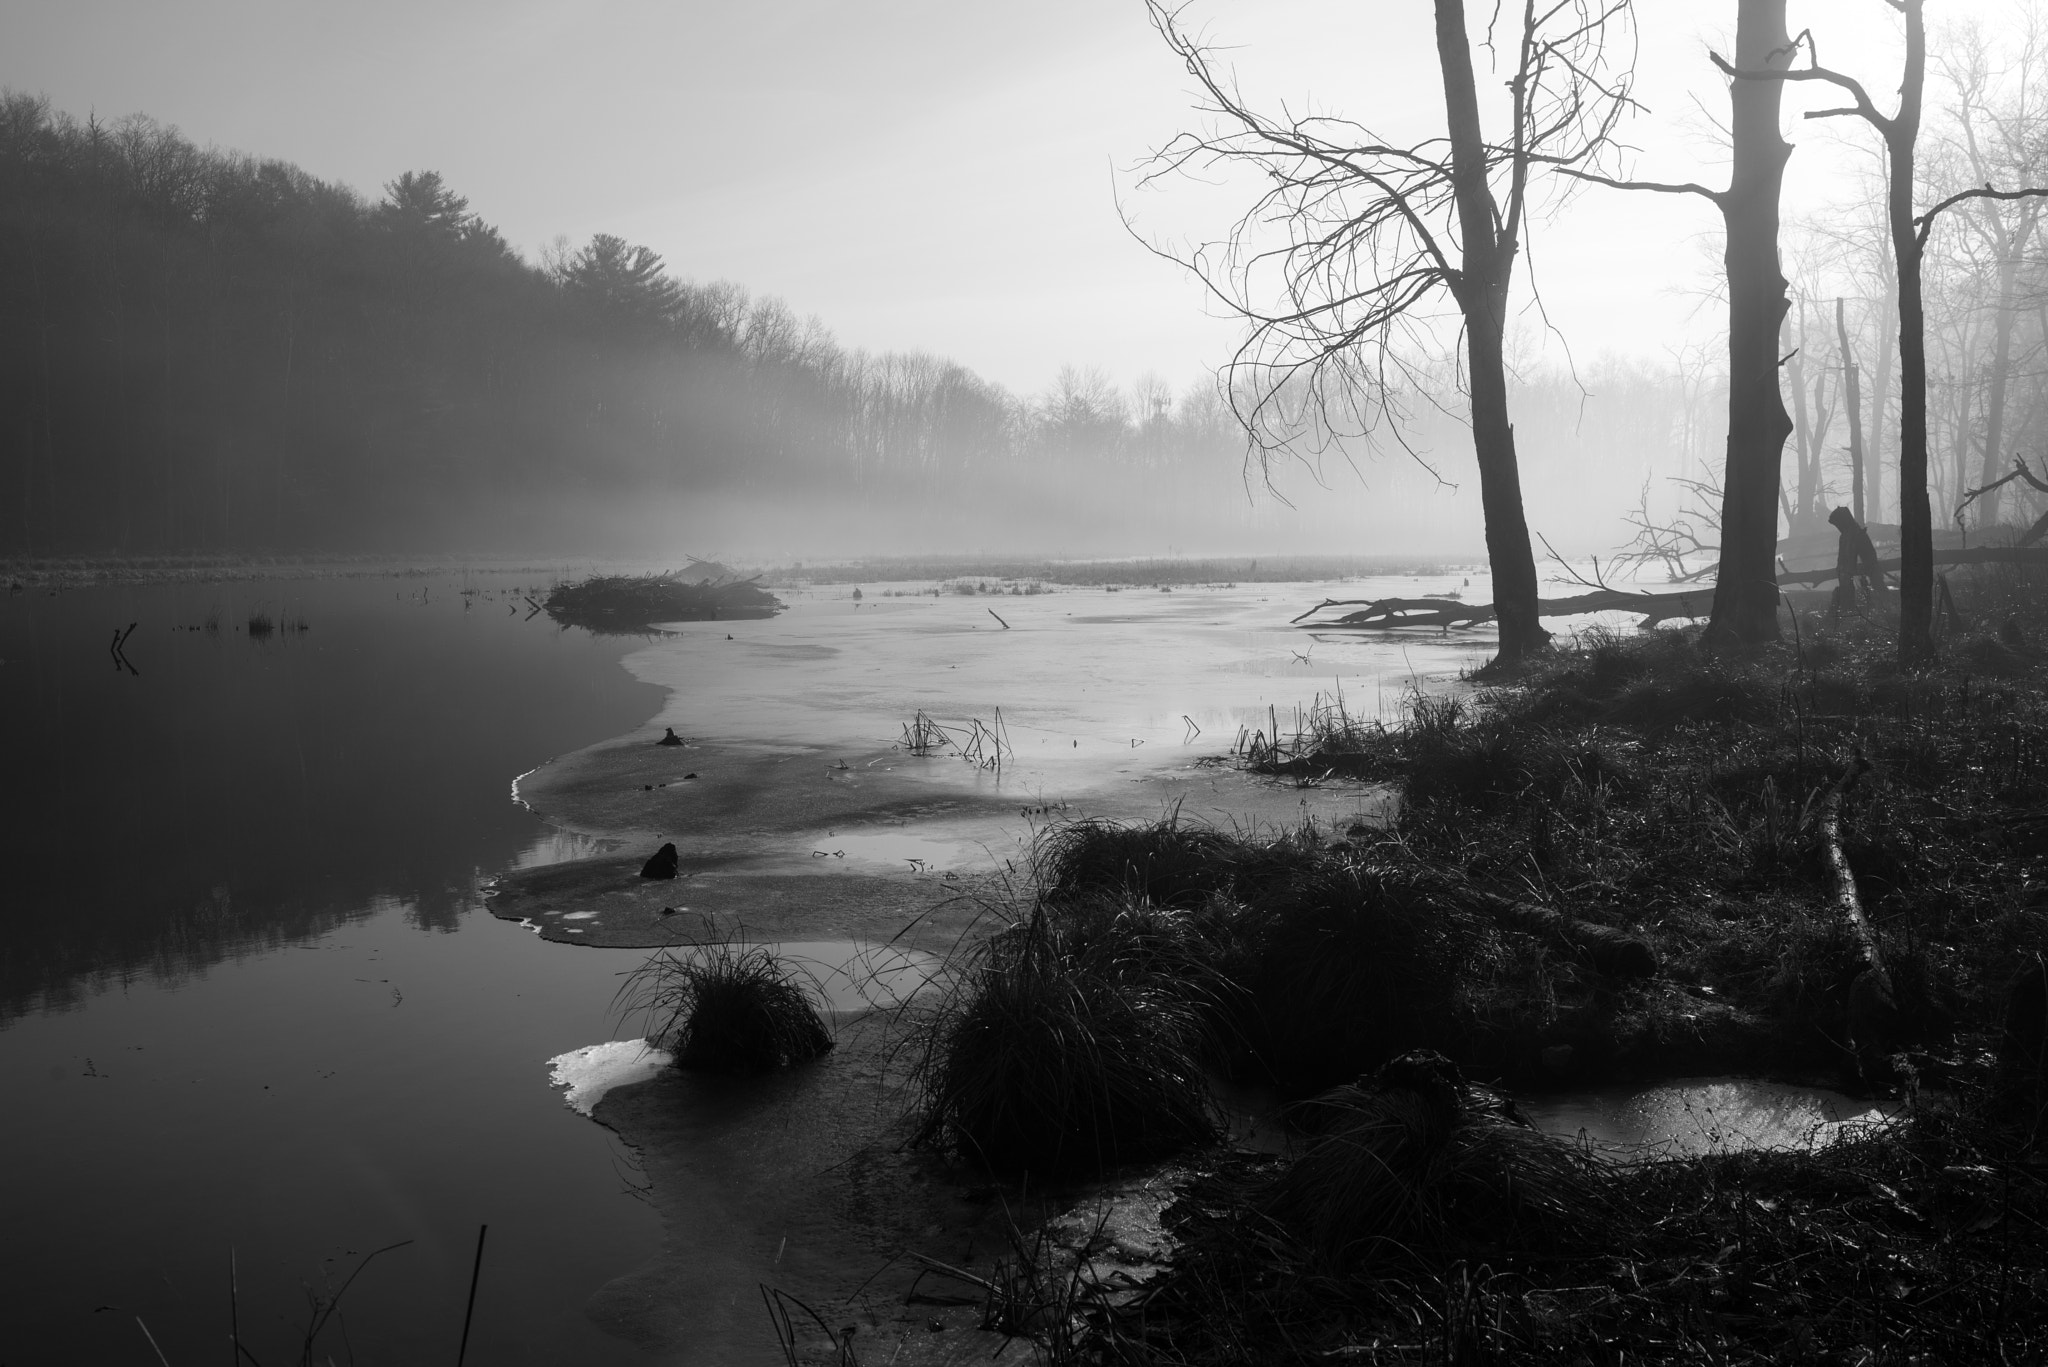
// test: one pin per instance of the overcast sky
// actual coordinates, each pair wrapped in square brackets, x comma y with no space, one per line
[922,174]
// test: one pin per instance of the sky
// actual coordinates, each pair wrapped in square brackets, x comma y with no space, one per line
[950,176]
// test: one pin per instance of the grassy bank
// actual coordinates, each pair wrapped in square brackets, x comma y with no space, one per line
[1639,858]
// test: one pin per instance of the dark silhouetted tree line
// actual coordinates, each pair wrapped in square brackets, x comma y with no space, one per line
[202,350]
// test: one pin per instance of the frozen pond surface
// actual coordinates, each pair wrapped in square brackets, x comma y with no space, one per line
[249,998]
[1695,1116]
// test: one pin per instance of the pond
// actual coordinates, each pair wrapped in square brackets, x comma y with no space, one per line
[248,995]
[250,1000]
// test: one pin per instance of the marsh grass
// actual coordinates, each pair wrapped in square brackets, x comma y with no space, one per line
[261,624]
[1414,1166]
[1398,1237]
[1313,965]
[1070,1043]
[728,1008]
[1655,787]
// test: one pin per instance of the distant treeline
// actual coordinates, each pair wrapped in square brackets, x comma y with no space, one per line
[204,349]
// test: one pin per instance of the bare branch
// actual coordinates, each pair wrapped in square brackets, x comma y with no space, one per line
[1655,186]
[1925,222]
[1863,106]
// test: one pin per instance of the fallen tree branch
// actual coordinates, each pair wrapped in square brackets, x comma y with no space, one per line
[1615,953]
[1873,1006]
[1386,613]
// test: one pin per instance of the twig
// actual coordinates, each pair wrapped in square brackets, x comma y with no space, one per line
[999,617]
[475,1272]
[152,1342]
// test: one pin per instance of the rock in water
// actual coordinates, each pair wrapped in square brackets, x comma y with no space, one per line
[671,738]
[664,863]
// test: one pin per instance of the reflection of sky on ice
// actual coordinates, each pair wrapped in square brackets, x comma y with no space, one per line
[1704,1115]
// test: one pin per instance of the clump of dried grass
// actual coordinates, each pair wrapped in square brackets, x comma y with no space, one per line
[729,1008]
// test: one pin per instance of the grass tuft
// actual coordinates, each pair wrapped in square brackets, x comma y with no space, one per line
[729,1008]
[1071,1043]
[1413,1167]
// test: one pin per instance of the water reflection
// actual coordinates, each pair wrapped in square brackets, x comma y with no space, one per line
[248,997]
[1699,1116]
[237,794]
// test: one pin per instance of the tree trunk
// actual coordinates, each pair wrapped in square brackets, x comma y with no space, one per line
[1485,272]
[1799,511]
[1874,430]
[1852,402]
[1959,440]
[1916,520]
[1745,590]
[2001,363]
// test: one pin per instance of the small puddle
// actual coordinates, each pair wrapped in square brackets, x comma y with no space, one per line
[1698,1116]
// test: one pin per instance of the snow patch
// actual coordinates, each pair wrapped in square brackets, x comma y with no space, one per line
[588,1073]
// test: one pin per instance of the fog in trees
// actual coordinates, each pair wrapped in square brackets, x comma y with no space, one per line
[211,351]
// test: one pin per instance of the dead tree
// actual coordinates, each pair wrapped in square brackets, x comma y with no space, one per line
[1369,232]
[1745,598]
[1853,402]
[2014,143]
[1909,233]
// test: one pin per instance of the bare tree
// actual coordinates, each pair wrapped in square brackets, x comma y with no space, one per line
[2010,145]
[1369,232]
[1745,586]
[1853,401]
[1813,417]
[1909,232]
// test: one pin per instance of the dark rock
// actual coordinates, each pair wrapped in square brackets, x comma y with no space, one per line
[671,738]
[664,864]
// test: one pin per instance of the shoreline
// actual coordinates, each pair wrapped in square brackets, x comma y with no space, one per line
[764,831]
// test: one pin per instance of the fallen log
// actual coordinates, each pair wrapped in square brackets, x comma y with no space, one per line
[1873,1004]
[1615,953]
[1386,613]
[1403,612]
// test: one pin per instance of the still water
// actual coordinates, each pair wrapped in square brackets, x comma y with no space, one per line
[249,1000]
